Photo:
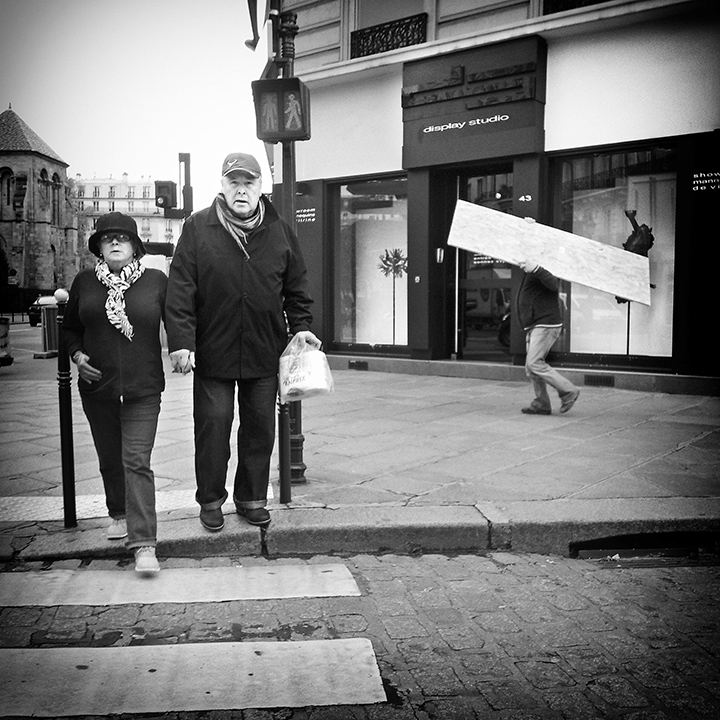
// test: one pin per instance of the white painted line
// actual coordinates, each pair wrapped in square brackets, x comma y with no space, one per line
[37,508]
[174,585]
[57,682]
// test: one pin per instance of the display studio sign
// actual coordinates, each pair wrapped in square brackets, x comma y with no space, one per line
[452,103]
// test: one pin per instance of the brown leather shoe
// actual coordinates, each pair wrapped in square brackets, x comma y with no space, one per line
[255,516]
[212,520]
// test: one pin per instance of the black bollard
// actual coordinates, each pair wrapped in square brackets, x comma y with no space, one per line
[284,452]
[65,404]
[297,443]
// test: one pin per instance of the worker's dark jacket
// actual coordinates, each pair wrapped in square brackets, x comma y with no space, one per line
[130,368]
[538,299]
[232,311]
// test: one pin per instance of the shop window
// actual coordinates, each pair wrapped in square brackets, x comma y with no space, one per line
[608,197]
[370,288]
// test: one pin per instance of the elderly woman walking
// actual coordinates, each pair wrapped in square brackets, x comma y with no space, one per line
[112,327]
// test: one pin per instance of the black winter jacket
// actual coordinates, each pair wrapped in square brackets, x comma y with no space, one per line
[232,311]
[538,299]
[129,369]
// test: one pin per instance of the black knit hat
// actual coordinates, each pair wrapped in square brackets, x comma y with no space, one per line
[115,222]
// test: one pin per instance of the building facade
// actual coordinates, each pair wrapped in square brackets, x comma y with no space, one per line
[134,197]
[38,230]
[598,118]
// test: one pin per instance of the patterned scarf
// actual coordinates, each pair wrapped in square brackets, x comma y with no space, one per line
[117,286]
[239,227]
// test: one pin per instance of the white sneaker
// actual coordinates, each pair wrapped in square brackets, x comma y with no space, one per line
[145,560]
[117,529]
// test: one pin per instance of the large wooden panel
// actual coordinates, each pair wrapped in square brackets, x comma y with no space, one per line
[567,256]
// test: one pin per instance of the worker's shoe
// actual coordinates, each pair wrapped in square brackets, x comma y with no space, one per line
[569,400]
[255,516]
[535,410]
[117,529]
[212,520]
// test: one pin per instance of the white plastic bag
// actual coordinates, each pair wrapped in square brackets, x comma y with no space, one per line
[304,372]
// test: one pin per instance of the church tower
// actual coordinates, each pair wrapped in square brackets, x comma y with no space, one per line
[38,225]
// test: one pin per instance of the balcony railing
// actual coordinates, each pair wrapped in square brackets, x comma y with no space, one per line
[389,36]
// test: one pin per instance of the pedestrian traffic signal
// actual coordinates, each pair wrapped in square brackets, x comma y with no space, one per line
[165,194]
[282,109]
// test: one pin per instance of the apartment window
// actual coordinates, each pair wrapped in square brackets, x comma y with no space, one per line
[111,206]
[96,206]
[131,192]
[131,206]
[111,191]
[376,12]
[146,191]
[609,196]
[370,274]
[81,191]
[96,191]
[550,7]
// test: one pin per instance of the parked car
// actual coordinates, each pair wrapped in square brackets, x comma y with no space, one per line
[35,310]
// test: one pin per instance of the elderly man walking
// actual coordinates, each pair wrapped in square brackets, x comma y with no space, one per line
[237,291]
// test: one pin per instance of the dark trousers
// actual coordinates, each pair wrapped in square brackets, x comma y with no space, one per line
[123,431]
[213,412]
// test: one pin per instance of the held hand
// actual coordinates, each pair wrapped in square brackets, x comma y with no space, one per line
[183,361]
[85,370]
[309,338]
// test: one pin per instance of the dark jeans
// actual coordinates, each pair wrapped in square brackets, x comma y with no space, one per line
[123,431]
[214,401]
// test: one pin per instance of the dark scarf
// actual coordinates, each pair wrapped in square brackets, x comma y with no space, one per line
[239,228]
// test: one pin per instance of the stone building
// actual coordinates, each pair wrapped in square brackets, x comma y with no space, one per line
[38,227]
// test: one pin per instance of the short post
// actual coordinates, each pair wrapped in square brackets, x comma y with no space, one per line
[65,404]
[297,443]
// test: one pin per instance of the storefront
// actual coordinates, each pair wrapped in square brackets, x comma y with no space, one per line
[524,127]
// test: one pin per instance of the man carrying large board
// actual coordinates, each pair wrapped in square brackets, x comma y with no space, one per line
[540,313]
[564,255]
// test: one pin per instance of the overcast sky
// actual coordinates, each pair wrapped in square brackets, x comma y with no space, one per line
[116,86]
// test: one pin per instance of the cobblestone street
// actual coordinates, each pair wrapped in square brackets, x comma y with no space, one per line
[504,636]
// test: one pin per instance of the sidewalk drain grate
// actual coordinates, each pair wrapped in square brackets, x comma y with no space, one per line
[651,549]
[600,380]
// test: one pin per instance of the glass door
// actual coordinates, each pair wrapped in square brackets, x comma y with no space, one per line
[483,284]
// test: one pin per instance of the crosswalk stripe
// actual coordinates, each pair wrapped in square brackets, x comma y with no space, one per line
[175,585]
[58,682]
[34,509]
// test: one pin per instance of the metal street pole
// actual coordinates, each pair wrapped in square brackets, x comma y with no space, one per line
[287,30]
